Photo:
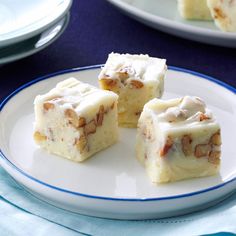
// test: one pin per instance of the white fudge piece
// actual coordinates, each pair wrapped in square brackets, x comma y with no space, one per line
[75,120]
[178,139]
[194,9]
[136,79]
[224,14]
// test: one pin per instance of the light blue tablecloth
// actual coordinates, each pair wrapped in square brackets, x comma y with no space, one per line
[23,214]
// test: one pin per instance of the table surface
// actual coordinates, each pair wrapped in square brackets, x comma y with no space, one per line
[96,28]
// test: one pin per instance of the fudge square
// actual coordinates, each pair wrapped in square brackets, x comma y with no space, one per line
[224,14]
[136,79]
[75,120]
[194,9]
[178,139]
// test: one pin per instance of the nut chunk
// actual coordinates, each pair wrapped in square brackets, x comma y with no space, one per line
[75,120]
[178,139]
[136,79]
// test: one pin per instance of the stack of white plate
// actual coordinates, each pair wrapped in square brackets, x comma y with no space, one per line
[27,26]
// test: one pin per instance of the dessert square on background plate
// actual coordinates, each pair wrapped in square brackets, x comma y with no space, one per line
[113,184]
[163,15]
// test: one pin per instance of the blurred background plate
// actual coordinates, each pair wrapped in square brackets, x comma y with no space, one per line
[21,20]
[163,15]
[34,44]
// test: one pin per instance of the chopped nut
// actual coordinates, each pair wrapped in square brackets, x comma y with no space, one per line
[90,128]
[48,105]
[108,84]
[216,139]
[81,143]
[100,115]
[215,154]
[218,13]
[202,150]
[214,157]
[203,117]
[72,117]
[82,122]
[186,145]
[39,137]
[167,146]
[136,84]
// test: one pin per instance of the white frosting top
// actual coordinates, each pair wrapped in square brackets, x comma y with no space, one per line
[72,93]
[138,67]
[181,112]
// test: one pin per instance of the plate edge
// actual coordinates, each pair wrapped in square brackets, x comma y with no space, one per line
[3,157]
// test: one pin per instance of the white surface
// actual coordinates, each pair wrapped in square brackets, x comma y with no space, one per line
[163,15]
[115,173]
[23,19]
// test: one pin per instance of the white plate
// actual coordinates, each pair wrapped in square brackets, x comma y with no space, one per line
[163,15]
[20,20]
[33,45]
[112,183]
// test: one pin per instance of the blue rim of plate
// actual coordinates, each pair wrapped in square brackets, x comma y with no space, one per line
[8,98]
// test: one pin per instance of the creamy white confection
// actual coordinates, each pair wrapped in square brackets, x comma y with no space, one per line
[194,9]
[178,139]
[75,120]
[224,14]
[136,79]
